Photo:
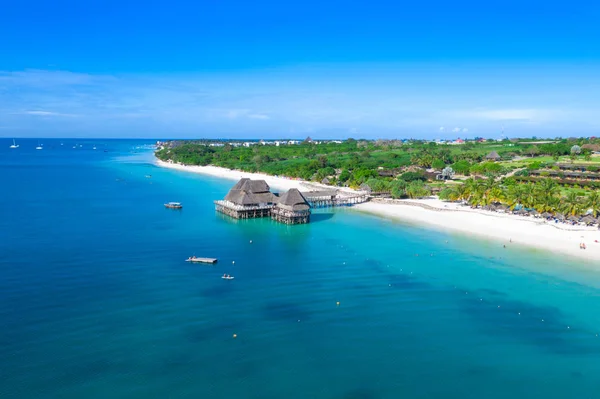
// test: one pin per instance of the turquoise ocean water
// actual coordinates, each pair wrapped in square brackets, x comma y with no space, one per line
[96,300]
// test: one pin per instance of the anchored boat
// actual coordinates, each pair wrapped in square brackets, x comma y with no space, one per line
[195,259]
[173,205]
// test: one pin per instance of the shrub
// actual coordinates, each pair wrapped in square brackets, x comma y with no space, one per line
[413,176]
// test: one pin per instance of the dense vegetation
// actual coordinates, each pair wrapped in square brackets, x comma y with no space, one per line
[414,169]
[543,196]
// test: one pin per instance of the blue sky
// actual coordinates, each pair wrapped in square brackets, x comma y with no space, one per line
[276,69]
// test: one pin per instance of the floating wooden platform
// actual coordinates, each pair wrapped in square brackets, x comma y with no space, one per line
[201,260]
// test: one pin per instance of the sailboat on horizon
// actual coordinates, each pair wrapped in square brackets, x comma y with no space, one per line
[14,144]
[39,146]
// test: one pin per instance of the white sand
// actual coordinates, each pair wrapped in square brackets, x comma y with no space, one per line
[497,226]
[277,182]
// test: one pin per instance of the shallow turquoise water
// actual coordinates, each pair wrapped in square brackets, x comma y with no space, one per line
[96,300]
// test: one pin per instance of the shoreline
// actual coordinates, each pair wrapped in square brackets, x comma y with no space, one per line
[507,229]
[527,231]
[277,182]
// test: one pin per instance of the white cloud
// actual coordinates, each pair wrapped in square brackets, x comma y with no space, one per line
[42,113]
[442,128]
[465,130]
[236,113]
[456,130]
[258,116]
[245,113]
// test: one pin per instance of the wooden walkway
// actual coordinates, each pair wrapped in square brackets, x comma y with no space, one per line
[337,200]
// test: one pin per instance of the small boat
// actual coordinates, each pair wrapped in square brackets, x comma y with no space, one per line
[173,205]
[94,148]
[227,277]
[14,144]
[195,259]
[39,146]
[148,176]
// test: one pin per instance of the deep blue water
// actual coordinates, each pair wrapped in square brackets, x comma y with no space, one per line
[97,302]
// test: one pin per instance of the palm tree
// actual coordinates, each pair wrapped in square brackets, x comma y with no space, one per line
[471,187]
[571,203]
[592,202]
[462,192]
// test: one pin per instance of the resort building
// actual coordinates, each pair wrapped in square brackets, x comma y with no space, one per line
[247,199]
[291,208]
[493,156]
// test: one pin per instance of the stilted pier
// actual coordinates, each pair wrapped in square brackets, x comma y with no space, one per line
[242,211]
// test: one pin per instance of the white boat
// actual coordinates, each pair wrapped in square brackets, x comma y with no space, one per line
[94,148]
[195,259]
[14,144]
[227,277]
[39,146]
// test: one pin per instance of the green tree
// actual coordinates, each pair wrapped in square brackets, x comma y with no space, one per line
[398,188]
[592,202]
[344,176]
[461,167]
[417,189]
[412,176]
[438,164]
[571,203]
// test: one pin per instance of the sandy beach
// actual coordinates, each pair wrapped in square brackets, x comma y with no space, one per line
[276,182]
[521,230]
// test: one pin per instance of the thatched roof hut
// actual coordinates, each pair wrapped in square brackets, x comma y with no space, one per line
[250,192]
[546,215]
[573,218]
[291,208]
[493,156]
[293,200]
[559,216]
[365,187]
[589,219]
[325,181]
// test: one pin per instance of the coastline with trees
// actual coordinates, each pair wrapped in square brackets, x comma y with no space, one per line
[482,181]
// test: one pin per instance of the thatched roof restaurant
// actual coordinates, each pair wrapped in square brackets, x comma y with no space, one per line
[250,192]
[247,199]
[291,208]
[253,199]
